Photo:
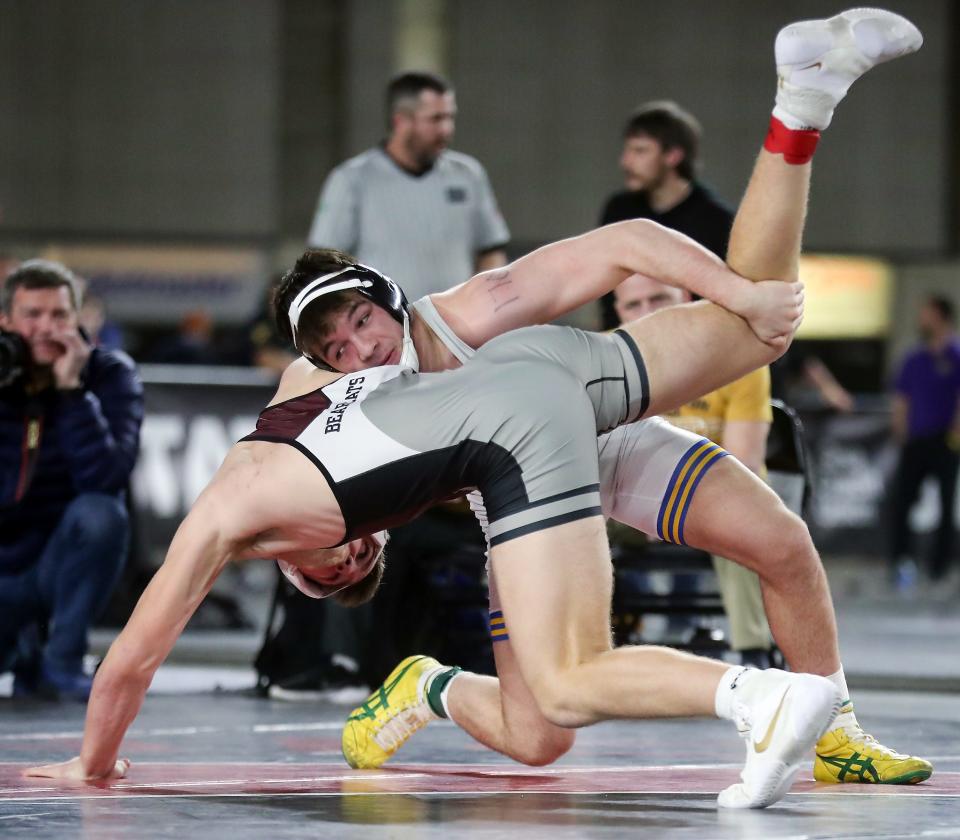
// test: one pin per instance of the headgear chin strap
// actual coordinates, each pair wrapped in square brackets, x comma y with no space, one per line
[314,589]
[408,352]
[368,282]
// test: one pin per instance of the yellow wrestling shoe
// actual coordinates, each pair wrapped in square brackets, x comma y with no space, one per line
[849,755]
[406,702]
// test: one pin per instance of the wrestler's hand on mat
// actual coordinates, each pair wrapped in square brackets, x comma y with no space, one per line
[74,771]
[773,309]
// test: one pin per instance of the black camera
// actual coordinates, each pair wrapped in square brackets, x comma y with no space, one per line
[14,357]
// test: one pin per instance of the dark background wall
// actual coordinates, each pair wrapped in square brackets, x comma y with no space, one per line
[217,118]
[546,86]
[139,117]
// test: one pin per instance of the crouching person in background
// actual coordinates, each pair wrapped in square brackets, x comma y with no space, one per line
[70,417]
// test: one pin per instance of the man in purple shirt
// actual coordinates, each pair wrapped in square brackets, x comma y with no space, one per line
[926,423]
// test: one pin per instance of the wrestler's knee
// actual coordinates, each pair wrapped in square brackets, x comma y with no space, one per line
[559,698]
[539,746]
[788,555]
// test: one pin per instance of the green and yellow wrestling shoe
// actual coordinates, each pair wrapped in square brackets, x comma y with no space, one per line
[406,702]
[847,754]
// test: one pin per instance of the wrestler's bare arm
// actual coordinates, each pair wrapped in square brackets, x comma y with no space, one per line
[563,276]
[196,557]
[223,524]
[262,496]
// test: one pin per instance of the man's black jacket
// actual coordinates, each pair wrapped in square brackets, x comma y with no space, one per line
[88,442]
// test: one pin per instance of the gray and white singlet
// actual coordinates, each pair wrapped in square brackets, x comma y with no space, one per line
[517,422]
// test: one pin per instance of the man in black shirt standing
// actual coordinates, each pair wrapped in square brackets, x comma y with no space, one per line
[659,163]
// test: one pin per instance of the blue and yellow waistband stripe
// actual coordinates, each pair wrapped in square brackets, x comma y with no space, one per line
[498,627]
[691,468]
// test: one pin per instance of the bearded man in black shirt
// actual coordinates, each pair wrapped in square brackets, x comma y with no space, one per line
[659,163]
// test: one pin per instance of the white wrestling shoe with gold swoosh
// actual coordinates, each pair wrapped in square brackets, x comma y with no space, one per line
[818,60]
[780,716]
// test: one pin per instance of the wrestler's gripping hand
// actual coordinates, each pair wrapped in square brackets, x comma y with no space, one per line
[773,309]
[74,771]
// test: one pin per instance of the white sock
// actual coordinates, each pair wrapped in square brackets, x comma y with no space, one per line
[804,108]
[732,679]
[840,681]
[846,717]
[792,122]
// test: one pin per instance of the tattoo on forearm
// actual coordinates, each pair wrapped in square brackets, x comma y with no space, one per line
[500,288]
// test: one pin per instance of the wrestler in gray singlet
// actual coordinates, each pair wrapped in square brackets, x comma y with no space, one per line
[518,422]
[649,470]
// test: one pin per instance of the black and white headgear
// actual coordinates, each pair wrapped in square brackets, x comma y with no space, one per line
[368,282]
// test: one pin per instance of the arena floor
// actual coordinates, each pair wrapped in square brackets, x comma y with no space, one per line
[231,765]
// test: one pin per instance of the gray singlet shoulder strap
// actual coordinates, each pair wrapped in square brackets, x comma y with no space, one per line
[426,310]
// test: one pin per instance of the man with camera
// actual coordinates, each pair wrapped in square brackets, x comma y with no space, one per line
[70,417]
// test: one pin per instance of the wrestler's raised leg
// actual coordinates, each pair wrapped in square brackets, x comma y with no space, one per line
[693,349]
[767,231]
[817,62]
